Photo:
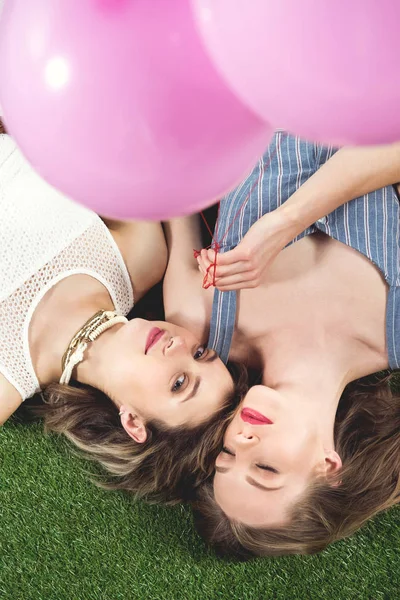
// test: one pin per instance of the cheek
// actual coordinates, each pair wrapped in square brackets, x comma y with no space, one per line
[299,452]
[175,330]
[137,376]
[234,427]
[225,489]
[132,372]
[292,437]
[213,405]
[282,448]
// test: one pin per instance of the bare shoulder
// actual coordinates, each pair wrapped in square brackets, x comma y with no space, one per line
[144,250]
[10,399]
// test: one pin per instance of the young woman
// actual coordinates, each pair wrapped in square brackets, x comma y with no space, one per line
[136,395]
[315,451]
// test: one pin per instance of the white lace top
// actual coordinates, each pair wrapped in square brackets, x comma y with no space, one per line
[44,237]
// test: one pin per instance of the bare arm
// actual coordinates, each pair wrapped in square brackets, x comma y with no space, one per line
[184,298]
[350,173]
[183,235]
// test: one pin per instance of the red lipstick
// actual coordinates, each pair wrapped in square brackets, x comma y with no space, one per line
[254,417]
[155,334]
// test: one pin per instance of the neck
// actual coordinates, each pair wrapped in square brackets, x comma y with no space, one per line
[95,369]
[52,332]
[316,372]
[291,355]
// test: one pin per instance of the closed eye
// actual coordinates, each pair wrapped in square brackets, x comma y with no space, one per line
[227,451]
[263,467]
[267,468]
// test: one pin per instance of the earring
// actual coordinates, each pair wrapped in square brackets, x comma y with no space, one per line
[121,412]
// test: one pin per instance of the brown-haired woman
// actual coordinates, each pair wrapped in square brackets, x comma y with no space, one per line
[138,396]
[314,452]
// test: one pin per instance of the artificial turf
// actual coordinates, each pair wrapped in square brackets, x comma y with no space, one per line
[62,538]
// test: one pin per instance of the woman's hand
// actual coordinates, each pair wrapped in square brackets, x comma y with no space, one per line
[244,266]
[350,173]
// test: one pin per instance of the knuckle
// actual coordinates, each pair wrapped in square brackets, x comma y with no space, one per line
[247,254]
[251,275]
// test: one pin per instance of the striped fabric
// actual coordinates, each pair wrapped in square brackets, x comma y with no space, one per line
[369,224]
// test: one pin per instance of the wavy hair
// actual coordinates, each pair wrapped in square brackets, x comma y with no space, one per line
[167,467]
[367,437]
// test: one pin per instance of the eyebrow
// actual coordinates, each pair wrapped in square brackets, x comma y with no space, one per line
[194,390]
[255,483]
[251,481]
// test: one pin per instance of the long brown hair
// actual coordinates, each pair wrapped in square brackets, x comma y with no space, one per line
[367,437]
[167,467]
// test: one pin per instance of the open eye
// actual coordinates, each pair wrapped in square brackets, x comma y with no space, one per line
[179,383]
[199,352]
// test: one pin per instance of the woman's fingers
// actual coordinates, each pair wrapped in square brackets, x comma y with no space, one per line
[246,279]
[228,258]
[203,261]
[202,267]
[229,263]
[230,270]
[230,275]
[206,268]
[244,285]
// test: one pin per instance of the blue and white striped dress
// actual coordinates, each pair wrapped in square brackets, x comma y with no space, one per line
[369,224]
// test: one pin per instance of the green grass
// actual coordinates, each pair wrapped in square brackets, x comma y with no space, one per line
[63,538]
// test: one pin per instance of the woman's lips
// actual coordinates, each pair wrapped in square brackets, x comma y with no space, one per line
[254,417]
[155,334]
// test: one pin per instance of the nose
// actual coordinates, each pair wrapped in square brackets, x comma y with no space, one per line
[175,345]
[246,438]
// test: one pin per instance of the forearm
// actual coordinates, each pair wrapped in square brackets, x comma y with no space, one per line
[350,173]
[183,235]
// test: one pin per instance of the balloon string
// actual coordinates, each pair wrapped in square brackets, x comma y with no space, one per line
[216,243]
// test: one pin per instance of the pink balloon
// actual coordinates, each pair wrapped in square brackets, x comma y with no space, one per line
[325,70]
[117,104]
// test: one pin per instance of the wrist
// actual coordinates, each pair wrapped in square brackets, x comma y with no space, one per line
[289,222]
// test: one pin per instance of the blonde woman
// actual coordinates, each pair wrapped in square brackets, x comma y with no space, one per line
[136,395]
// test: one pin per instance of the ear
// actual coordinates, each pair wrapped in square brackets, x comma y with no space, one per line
[134,425]
[333,463]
